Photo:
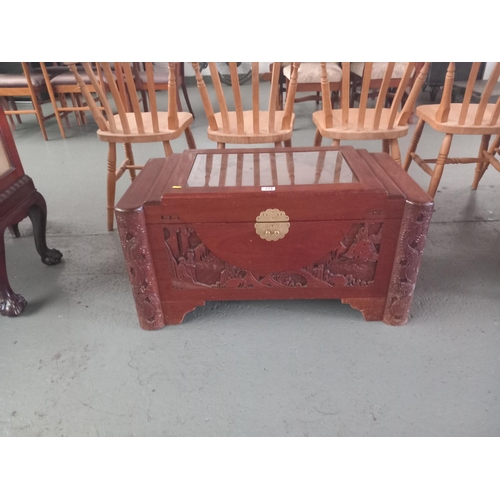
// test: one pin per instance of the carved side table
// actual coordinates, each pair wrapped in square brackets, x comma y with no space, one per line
[18,199]
[293,223]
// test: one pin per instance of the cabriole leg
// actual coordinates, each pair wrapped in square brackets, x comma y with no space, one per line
[38,216]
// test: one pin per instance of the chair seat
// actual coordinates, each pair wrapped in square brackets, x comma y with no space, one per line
[311,72]
[351,132]
[165,134]
[67,78]
[8,81]
[160,77]
[378,69]
[427,112]
[249,136]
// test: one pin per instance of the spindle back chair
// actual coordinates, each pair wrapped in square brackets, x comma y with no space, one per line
[464,118]
[369,121]
[129,125]
[251,126]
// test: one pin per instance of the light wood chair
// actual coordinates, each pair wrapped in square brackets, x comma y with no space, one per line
[253,126]
[365,122]
[161,74]
[30,83]
[465,118]
[62,85]
[377,77]
[130,125]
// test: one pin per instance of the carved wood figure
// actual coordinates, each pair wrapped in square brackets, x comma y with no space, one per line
[249,224]
[18,199]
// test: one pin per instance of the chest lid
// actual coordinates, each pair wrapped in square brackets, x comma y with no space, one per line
[306,184]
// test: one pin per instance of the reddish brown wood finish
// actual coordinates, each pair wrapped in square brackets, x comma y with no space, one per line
[19,199]
[186,243]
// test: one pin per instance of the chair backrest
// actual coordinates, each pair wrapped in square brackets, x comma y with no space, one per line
[375,122]
[238,103]
[480,117]
[120,80]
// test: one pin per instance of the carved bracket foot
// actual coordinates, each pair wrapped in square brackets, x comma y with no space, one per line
[372,309]
[174,312]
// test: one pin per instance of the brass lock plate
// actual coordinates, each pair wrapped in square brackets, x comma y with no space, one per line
[272,224]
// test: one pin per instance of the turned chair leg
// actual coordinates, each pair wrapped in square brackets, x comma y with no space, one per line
[221,145]
[186,98]
[318,138]
[413,144]
[39,115]
[395,151]
[440,163]
[288,143]
[336,143]
[111,184]
[130,157]
[167,148]
[190,138]
[386,146]
[481,167]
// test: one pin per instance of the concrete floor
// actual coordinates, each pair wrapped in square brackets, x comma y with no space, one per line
[76,363]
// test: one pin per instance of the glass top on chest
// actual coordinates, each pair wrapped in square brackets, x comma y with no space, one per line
[270,169]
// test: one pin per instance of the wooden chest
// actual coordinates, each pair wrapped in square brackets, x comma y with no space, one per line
[298,223]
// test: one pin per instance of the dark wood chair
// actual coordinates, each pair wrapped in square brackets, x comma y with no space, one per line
[18,199]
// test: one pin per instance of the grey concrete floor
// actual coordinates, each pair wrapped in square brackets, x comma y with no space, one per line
[76,363]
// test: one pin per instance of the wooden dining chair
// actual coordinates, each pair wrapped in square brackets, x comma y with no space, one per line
[130,125]
[30,83]
[371,120]
[309,80]
[62,85]
[250,126]
[463,118]
[161,75]
[378,70]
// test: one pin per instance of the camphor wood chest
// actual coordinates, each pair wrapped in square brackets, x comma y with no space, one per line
[297,223]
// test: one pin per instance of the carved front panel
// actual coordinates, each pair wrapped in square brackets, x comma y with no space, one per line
[352,263]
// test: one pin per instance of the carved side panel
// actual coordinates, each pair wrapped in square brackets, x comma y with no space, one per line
[352,264]
[411,243]
[135,245]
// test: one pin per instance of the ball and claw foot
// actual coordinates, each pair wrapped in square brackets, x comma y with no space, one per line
[13,305]
[52,257]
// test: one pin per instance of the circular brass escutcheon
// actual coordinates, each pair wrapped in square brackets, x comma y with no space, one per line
[272,224]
